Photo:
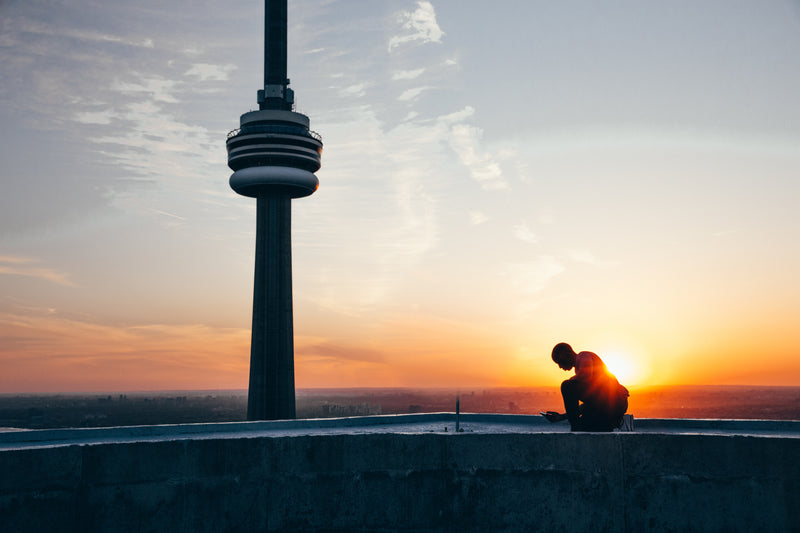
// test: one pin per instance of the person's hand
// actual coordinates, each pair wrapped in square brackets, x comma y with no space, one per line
[552,416]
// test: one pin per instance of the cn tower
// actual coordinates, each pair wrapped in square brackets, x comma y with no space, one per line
[274,156]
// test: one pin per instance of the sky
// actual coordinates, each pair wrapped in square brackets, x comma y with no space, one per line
[623,176]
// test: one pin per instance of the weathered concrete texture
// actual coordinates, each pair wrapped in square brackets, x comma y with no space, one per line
[413,482]
[712,483]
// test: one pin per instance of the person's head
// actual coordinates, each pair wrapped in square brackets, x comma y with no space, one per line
[564,356]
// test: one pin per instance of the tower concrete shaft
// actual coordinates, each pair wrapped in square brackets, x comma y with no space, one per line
[274,155]
[271,393]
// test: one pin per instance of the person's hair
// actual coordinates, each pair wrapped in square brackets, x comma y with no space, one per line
[561,350]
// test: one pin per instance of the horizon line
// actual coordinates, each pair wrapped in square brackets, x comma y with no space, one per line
[461,390]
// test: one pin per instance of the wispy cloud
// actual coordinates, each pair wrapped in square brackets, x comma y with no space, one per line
[44,29]
[466,140]
[157,89]
[411,94]
[209,72]
[14,260]
[166,214]
[588,258]
[155,144]
[95,117]
[476,218]
[353,91]
[25,266]
[421,26]
[525,234]
[128,102]
[328,349]
[407,74]
[393,180]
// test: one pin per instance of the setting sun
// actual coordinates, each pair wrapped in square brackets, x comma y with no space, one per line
[629,370]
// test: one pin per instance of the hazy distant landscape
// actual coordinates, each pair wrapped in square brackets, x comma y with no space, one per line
[178,407]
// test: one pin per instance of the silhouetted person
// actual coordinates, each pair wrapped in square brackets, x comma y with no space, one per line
[593,398]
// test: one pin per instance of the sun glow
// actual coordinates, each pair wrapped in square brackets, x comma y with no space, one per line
[628,370]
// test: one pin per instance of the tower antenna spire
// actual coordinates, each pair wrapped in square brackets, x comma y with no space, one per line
[274,155]
[276,93]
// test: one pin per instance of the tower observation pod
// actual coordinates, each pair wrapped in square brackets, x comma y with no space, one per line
[274,155]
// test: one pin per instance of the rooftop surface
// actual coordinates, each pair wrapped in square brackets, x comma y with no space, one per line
[442,423]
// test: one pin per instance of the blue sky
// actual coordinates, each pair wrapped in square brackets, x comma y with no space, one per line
[623,176]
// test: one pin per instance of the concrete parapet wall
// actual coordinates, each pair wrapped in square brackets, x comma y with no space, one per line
[535,481]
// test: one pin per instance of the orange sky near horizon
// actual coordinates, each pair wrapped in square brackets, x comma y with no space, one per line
[51,355]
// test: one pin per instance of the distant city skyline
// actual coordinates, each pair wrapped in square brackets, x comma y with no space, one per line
[620,177]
